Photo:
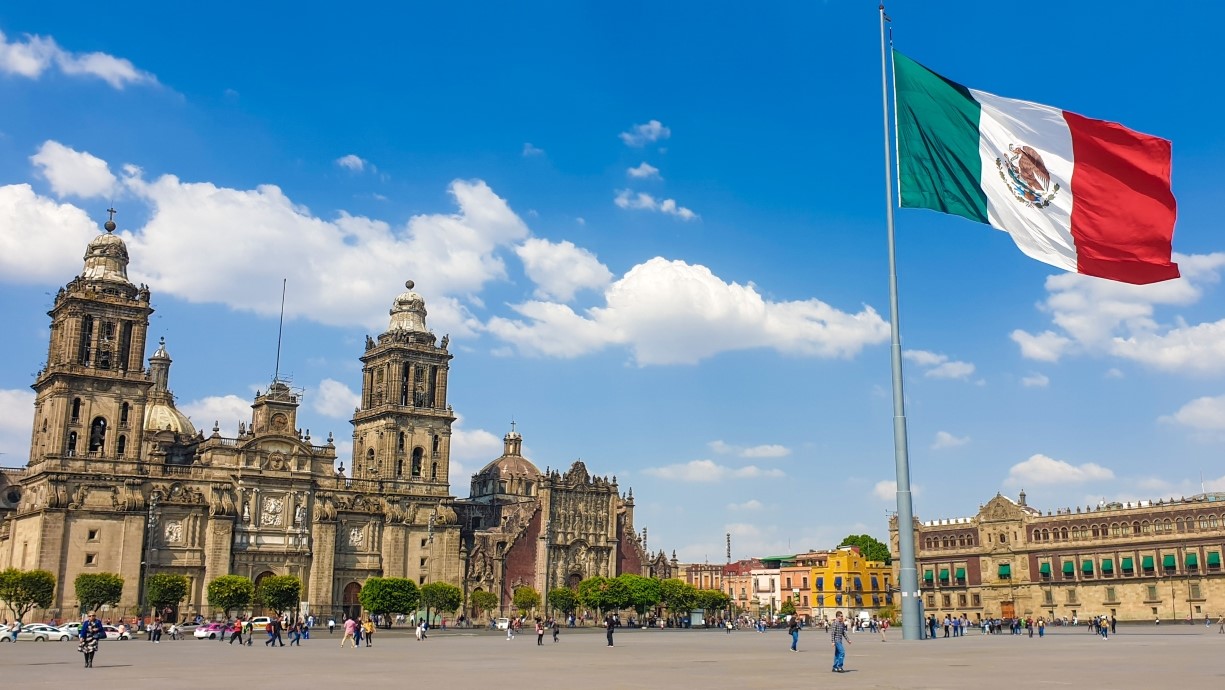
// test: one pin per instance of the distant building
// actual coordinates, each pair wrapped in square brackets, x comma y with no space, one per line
[1135,561]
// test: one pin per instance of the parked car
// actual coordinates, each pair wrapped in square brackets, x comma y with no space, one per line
[37,632]
[258,623]
[212,631]
[112,633]
[503,623]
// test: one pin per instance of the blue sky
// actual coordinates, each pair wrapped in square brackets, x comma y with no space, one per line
[654,231]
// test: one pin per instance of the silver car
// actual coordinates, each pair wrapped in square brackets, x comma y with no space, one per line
[38,632]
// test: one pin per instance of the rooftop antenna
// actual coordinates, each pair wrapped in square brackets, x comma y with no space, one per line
[280,328]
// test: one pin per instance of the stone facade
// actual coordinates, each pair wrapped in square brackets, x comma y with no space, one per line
[1136,561]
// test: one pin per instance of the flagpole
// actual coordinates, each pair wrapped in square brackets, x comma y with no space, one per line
[908,575]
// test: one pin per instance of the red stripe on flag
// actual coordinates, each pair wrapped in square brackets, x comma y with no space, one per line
[1123,209]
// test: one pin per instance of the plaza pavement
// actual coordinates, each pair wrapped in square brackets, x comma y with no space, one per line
[1138,657]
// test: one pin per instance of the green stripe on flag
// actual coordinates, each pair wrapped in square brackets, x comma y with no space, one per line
[939,166]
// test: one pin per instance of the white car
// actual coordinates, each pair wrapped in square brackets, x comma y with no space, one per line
[503,623]
[38,632]
[112,633]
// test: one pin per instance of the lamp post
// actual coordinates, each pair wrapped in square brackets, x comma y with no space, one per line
[149,551]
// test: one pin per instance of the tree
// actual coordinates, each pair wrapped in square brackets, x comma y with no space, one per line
[712,600]
[441,596]
[165,589]
[787,608]
[279,592]
[563,599]
[384,595]
[231,593]
[644,592]
[869,547]
[679,596]
[95,590]
[25,590]
[591,592]
[525,599]
[487,601]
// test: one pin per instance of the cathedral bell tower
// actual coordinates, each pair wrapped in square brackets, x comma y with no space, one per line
[402,429]
[90,397]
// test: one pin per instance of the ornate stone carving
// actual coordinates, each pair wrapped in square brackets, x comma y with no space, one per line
[356,537]
[174,532]
[272,514]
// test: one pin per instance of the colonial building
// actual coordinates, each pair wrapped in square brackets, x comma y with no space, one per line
[1136,561]
[525,528]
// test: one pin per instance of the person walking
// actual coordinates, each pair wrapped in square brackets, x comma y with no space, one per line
[884,628]
[91,631]
[839,640]
[331,625]
[609,627]
[368,632]
[236,632]
[539,633]
[350,632]
[556,630]
[793,628]
[248,629]
[155,634]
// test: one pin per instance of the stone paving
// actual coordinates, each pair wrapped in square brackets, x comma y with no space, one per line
[1138,657]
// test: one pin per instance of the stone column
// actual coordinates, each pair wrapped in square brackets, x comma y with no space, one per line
[319,586]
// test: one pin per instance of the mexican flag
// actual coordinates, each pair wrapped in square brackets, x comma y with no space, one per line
[1083,195]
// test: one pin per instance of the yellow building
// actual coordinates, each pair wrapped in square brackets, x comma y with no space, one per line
[844,580]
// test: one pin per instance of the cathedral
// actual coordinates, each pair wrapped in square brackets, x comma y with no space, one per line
[120,481]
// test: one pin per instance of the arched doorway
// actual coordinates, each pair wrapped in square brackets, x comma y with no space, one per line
[350,601]
[258,579]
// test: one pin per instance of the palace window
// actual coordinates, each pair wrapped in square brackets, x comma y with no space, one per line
[946,601]
[1063,533]
[1151,593]
[418,452]
[1072,596]
[976,600]
[1110,594]
[1048,597]
[1203,522]
[961,600]
[1212,521]
[1194,592]
[931,601]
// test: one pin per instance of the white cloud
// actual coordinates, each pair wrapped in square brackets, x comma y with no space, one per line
[641,135]
[36,54]
[529,151]
[709,471]
[74,173]
[1202,414]
[335,399]
[16,420]
[470,449]
[641,201]
[946,440]
[670,312]
[643,171]
[770,450]
[352,163]
[1106,318]
[41,240]
[560,269]
[886,490]
[1114,373]
[1036,381]
[939,366]
[1040,469]
[751,504]
[224,410]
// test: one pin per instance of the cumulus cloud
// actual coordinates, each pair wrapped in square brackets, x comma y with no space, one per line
[946,440]
[41,241]
[225,410]
[751,504]
[16,420]
[768,450]
[1036,381]
[938,366]
[671,312]
[31,57]
[73,173]
[886,490]
[643,171]
[530,151]
[560,269]
[710,471]
[1105,318]
[1201,414]
[1040,469]
[352,162]
[646,133]
[335,399]
[641,201]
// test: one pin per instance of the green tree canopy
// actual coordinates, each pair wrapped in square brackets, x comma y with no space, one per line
[25,590]
[384,595]
[869,547]
[231,593]
[679,596]
[97,589]
[788,608]
[443,597]
[563,599]
[486,602]
[643,592]
[279,592]
[525,599]
[165,589]
[711,600]
[591,593]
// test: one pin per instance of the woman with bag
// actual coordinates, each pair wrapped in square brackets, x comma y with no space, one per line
[91,631]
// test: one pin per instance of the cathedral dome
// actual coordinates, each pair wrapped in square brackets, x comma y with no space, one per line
[510,466]
[161,416]
[408,311]
[106,258]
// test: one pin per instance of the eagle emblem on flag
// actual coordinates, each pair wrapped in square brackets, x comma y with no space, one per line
[1026,176]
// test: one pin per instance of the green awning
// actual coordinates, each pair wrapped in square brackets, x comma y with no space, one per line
[1069,567]
[928,575]
[1045,569]
[1005,570]
[1214,559]
[944,574]
[1107,565]
[1192,560]
[961,573]
[1127,564]
[1147,563]
[1169,561]
[1087,566]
